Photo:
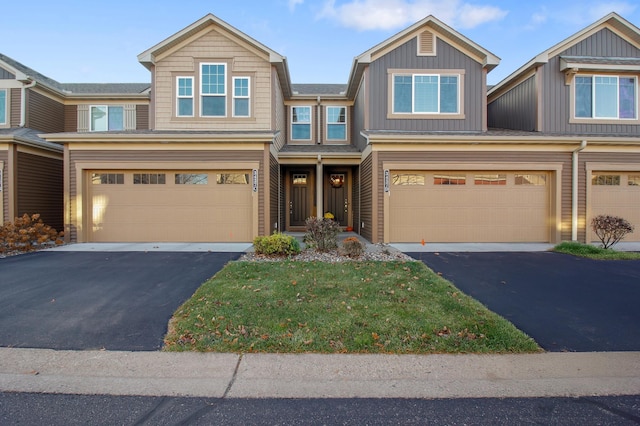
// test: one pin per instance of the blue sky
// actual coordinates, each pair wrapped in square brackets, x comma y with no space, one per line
[82,41]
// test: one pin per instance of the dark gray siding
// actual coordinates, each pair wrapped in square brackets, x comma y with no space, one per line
[366,198]
[6,75]
[515,109]
[4,195]
[556,102]
[356,199]
[357,122]
[39,188]
[44,113]
[405,57]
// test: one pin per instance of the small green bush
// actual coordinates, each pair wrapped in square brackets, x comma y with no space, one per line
[276,244]
[610,229]
[352,247]
[321,233]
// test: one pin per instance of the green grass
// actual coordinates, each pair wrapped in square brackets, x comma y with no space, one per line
[593,252]
[350,307]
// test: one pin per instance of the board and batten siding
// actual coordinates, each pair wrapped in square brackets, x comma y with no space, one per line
[151,156]
[358,117]
[482,158]
[405,57]
[6,75]
[366,198]
[515,109]
[211,47]
[556,94]
[39,188]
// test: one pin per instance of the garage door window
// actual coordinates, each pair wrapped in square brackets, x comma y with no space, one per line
[407,179]
[149,179]
[530,179]
[491,179]
[107,178]
[191,178]
[232,179]
[634,180]
[449,179]
[605,180]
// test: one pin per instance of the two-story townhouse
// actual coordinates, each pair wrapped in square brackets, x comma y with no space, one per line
[580,99]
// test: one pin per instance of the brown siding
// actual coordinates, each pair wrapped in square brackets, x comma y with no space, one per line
[356,199]
[366,198]
[274,187]
[483,158]
[44,113]
[557,94]
[515,109]
[280,113]
[4,195]
[70,118]
[405,57]
[142,117]
[164,156]
[39,183]
[14,108]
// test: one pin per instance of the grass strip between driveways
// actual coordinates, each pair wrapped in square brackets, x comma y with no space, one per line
[593,252]
[350,307]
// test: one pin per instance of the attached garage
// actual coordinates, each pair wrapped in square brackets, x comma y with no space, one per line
[616,193]
[469,206]
[170,206]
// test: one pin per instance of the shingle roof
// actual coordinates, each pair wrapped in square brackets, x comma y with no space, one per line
[29,136]
[319,89]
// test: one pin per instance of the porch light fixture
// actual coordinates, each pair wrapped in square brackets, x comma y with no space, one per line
[337,181]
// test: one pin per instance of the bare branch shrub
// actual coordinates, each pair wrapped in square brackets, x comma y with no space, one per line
[610,229]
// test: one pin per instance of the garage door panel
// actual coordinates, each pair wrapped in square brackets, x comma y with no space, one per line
[617,198]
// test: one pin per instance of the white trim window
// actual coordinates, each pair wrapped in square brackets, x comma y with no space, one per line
[426,94]
[241,96]
[106,118]
[301,123]
[184,96]
[3,107]
[336,123]
[213,90]
[606,97]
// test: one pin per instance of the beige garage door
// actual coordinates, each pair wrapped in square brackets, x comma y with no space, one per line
[469,206]
[617,194]
[170,206]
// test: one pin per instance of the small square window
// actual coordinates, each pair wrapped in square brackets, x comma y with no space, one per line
[449,179]
[107,178]
[149,178]
[605,180]
[633,180]
[490,179]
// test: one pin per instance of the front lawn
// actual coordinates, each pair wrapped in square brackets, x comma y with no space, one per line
[350,307]
[593,252]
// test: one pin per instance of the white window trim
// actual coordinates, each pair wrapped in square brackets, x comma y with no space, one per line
[327,123]
[310,122]
[91,129]
[178,97]
[222,95]
[5,119]
[603,120]
[248,97]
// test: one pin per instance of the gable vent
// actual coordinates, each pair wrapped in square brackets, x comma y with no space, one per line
[426,43]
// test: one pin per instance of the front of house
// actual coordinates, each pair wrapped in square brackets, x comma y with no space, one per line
[223,147]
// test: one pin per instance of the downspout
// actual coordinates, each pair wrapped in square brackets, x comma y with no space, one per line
[574,191]
[318,124]
[23,101]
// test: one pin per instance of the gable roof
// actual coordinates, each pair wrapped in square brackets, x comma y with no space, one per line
[488,59]
[148,57]
[613,21]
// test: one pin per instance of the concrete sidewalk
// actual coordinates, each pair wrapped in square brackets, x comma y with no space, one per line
[319,376]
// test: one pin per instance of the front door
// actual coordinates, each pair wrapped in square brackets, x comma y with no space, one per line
[299,201]
[338,198]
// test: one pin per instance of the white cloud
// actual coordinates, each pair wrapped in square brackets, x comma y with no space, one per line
[587,13]
[294,3]
[393,14]
[598,10]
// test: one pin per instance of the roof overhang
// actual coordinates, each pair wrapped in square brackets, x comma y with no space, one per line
[590,64]
[30,141]
[161,137]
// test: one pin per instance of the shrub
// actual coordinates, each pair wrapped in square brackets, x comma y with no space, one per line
[27,233]
[352,247]
[610,229]
[276,244]
[321,233]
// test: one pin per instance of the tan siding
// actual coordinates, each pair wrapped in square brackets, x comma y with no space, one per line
[44,113]
[280,112]
[14,108]
[70,118]
[4,195]
[142,117]
[274,187]
[39,185]
[213,46]
[366,198]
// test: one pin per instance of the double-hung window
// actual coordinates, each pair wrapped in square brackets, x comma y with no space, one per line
[301,123]
[606,97]
[241,96]
[3,106]
[184,96]
[336,123]
[213,90]
[426,94]
[105,118]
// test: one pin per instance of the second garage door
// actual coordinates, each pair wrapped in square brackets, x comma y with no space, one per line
[170,206]
[469,206]
[617,194]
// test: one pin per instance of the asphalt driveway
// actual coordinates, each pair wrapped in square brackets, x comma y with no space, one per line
[565,303]
[96,300]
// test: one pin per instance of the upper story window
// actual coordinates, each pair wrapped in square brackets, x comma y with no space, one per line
[184,97]
[301,123]
[606,97]
[105,118]
[213,90]
[336,123]
[241,96]
[426,94]
[3,106]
